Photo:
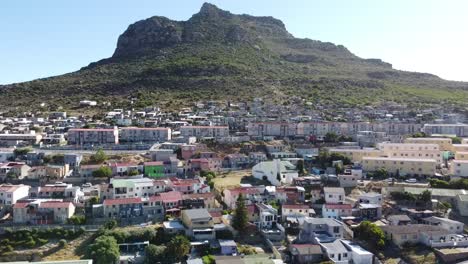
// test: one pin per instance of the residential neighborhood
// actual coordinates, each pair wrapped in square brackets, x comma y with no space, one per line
[292,191]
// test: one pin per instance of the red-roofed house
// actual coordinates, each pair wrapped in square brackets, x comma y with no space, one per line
[336,211]
[42,211]
[250,194]
[123,208]
[296,210]
[171,200]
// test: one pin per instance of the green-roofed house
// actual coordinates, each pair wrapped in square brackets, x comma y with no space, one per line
[154,169]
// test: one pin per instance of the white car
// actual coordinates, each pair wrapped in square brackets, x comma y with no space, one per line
[412,180]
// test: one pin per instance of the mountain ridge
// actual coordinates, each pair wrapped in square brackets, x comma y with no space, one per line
[217,55]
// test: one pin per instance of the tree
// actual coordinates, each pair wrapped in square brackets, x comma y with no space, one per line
[99,157]
[104,250]
[371,233]
[331,137]
[102,172]
[240,219]
[300,167]
[93,200]
[425,196]
[381,173]
[133,173]
[111,224]
[21,151]
[456,140]
[178,247]
[154,254]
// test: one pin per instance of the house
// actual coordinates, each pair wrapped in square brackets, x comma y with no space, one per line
[336,211]
[336,251]
[448,224]
[125,169]
[306,253]
[14,170]
[73,160]
[236,161]
[268,216]
[228,247]
[358,254]
[250,194]
[412,151]
[334,195]
[277,172]
[153,208]
[199,200]
[296,211]
[42,211]
[123,207]
[64,191]
[461,202]
[371,198]
[290,194]
[93,136]
[445,144]
[399,220]
[459,168]
[257,157]
[20,139]
[187,186]
[198,223]
[415,234]
[348,180]
[370,211]
[315,230]
[171,200]
[10,194]
[131,188]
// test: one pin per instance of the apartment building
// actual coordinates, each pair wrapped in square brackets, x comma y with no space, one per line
[272,129]
[204,131]
[93,136]
[356,155]
[131,188]
[149,135]
[460,130]
[461,155]
[15,139]
[400,166]
[460,148]
[445,144]
[412,150]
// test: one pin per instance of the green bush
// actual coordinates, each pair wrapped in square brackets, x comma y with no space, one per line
[62,243]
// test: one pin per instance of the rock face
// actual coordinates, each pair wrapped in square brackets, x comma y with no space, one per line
[210,24]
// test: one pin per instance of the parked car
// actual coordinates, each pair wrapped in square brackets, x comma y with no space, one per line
[412,180]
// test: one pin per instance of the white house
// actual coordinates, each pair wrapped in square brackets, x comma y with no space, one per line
[296,211]
[334,195]
[358,254]
[371,198]
[277,172]
[336,251]
[459,168]
[9,194]
[449,224]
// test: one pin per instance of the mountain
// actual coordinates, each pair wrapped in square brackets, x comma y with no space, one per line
[217,55]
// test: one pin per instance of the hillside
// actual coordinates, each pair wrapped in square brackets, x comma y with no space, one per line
[217,55]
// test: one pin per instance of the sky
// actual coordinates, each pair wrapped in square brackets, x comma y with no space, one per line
[51,37]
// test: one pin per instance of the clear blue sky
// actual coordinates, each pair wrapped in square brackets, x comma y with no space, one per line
[51,37]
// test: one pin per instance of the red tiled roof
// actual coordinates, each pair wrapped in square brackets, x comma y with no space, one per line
[20,204]
[338,206]
[122,201]
[296,206]
[53,204]
[172,196]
